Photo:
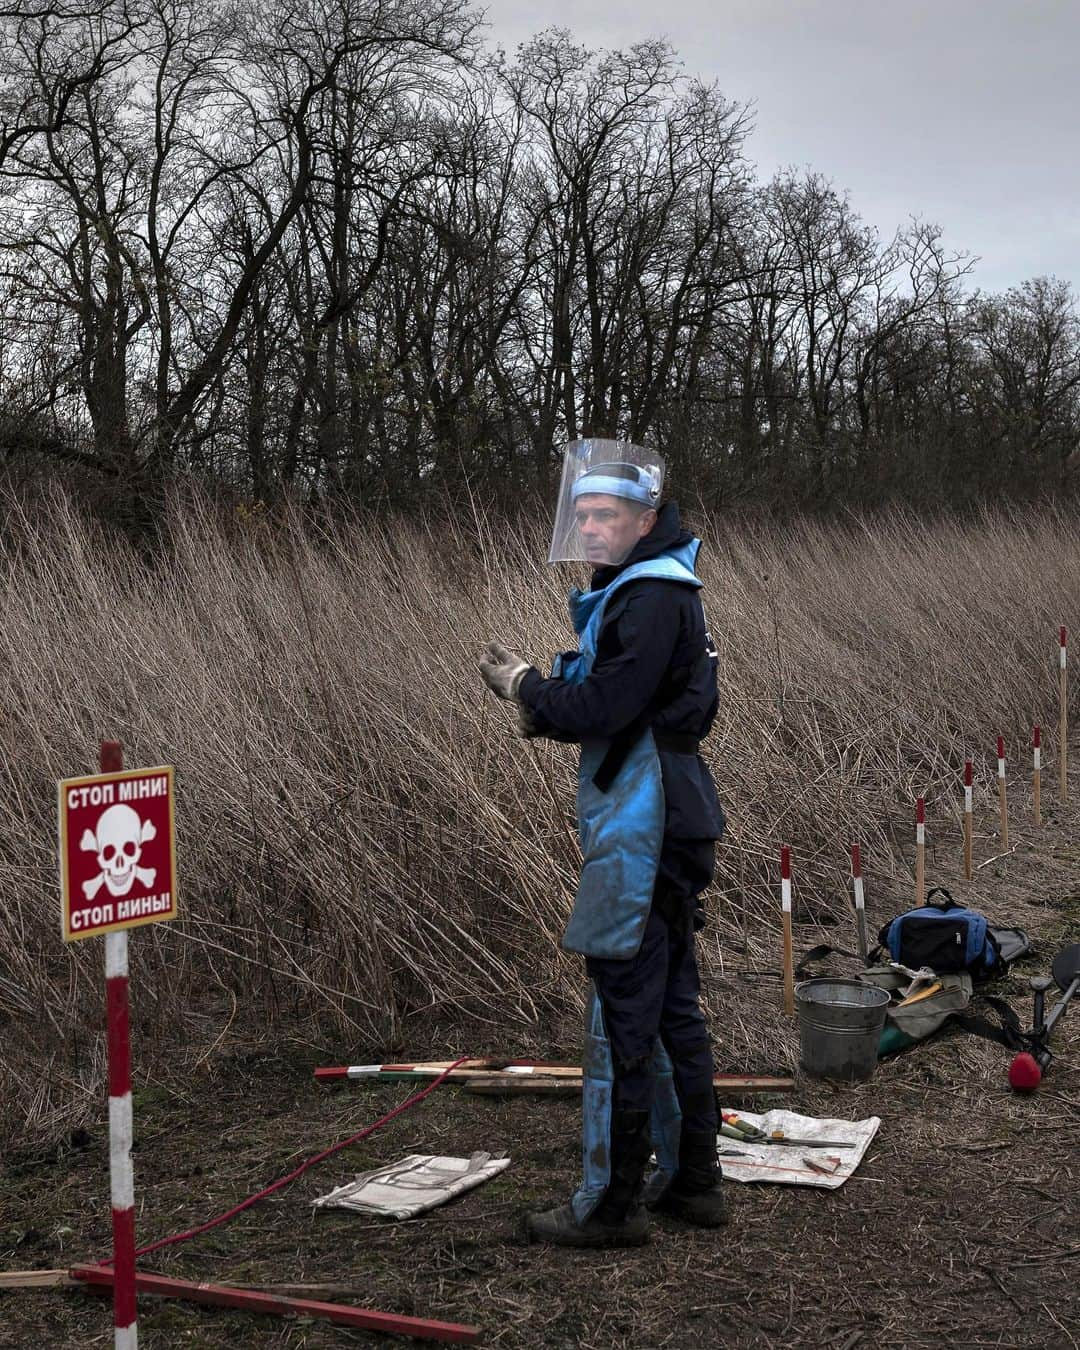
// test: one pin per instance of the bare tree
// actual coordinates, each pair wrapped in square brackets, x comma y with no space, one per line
[635,176]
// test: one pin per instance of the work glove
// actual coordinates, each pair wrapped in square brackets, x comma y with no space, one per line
[502,670]
[526,727]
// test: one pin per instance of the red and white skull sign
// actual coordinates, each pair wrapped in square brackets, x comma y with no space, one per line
[118,842]
[117,852]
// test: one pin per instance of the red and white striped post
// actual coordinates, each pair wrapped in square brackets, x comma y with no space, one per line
[785,905]
[121,1175]
[860,901]
[969,828]
[1063,730]
[1003,800]
[920,852]
[1036,742]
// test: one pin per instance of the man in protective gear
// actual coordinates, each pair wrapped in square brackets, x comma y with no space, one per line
[639,695]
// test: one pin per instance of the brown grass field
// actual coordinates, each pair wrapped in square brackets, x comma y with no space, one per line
[372,866]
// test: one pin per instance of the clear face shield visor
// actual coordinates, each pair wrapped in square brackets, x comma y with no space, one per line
[608,494]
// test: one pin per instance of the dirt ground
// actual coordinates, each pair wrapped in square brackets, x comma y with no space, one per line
[960,1227]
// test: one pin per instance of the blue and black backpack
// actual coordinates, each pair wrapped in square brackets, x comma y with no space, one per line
[946,936]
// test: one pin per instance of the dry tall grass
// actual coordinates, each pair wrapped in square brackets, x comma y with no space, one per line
[366,847]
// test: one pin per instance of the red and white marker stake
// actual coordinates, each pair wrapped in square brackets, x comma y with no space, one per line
[860,901]
[1063,730]
[969,830]
[785,904]
[1036,741]
[1003,800]
[121,1175]
[920,852]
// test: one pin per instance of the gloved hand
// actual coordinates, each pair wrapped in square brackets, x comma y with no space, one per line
[526,727]
[502,670]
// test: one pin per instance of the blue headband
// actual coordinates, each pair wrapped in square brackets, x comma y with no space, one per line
[614,487]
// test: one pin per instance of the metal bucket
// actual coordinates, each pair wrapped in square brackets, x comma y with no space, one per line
[840,1023]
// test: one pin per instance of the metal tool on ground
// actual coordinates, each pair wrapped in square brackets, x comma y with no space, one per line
[734,1127]
[803,1143]
[1027,1069]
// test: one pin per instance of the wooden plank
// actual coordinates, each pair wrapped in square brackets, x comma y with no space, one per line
[511,1072]
[100,1278]
[512,1085]
[432,1069]
[35,1279]
[737,1082]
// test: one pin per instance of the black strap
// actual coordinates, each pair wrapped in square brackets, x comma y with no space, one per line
[677,744]
[608,768]
[950,903]
[1006,1032]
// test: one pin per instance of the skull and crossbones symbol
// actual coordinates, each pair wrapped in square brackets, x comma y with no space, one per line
[118,842]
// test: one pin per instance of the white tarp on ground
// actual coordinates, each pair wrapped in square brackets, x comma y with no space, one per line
[412,1186]
[789,1164]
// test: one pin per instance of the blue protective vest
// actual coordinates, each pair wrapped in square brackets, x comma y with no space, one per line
[621,830]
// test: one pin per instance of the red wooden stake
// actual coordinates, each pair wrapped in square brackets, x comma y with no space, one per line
[121,1176]
[223,1296]
[1063,728]
[785,904]
[1002,797]
[920,852]
[969,832]
[860,901]
[1036,741]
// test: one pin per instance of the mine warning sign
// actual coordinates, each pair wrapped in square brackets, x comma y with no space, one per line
[117,851]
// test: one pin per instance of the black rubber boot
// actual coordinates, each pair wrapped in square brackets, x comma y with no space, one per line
[620,1219]
[695,1195]
[561,1228]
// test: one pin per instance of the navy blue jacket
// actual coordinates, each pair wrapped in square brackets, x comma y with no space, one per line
[654,667]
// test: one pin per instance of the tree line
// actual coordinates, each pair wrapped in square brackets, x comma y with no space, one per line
[343,249]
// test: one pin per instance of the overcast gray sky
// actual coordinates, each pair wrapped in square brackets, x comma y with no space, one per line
[957,111]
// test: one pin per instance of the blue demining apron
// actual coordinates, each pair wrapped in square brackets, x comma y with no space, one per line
[621,832]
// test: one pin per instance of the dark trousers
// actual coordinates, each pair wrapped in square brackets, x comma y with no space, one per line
[656,993]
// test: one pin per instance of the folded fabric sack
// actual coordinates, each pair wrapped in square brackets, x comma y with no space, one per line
[412,1186]
[908,1022]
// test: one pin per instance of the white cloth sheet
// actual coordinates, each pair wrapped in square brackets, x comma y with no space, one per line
[788,1164]
[413,1185]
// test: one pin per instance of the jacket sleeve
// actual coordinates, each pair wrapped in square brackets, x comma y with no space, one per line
[633,654]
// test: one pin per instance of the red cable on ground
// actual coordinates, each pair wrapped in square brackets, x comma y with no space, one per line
[284,1181]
